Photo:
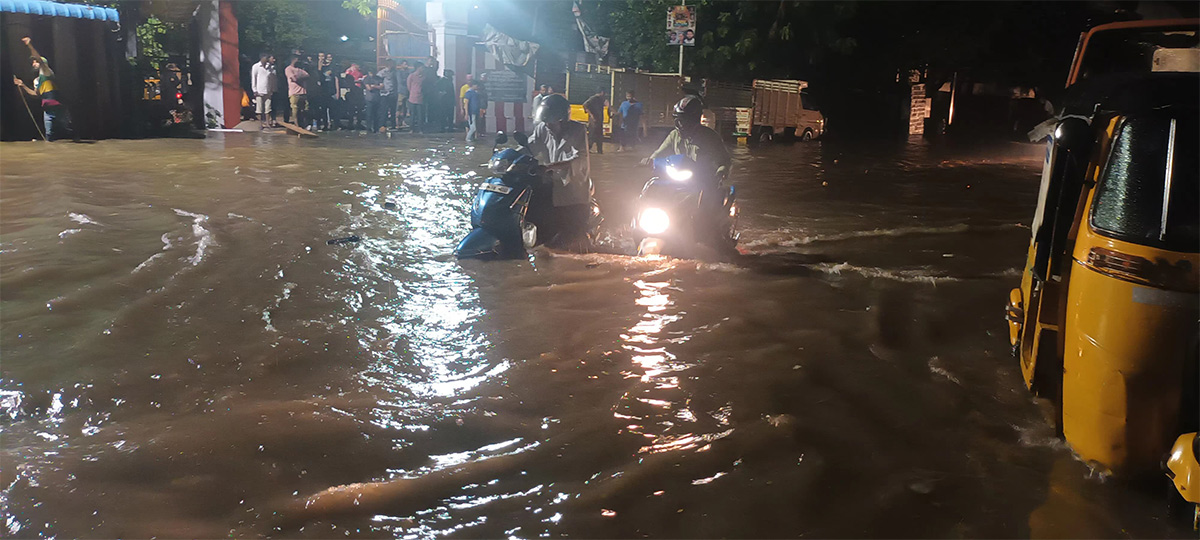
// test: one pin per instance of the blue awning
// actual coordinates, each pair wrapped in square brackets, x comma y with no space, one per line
[54,9]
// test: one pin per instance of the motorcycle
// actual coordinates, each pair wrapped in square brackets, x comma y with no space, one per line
[677,216]
[512,210]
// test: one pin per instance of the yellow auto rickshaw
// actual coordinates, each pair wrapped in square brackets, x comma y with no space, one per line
[1106,322]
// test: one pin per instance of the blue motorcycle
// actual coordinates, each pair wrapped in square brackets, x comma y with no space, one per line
[685,212]
[499,228]
[513,211]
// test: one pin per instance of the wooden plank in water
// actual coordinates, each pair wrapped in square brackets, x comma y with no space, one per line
[299,131]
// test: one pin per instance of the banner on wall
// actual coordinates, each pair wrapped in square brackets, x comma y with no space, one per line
[506,86]
[681,25]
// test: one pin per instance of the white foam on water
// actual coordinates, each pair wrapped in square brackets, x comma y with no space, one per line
[83,219]
[875,233]
[68,232]
[938,370]
[166,240]
[266,314]
[916,275]
[146,263]
[654,263]
[10,403]
[1031,437]
[1007,273]
[204,237]
[728,268]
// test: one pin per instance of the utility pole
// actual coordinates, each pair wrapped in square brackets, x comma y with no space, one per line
[682,3]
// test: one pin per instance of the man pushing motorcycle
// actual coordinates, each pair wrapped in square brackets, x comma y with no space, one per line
[562,145]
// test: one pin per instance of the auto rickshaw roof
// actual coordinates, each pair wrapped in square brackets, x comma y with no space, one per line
[1168,45]
[1134,93]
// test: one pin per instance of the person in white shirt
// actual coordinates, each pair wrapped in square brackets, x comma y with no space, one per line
[262,81]
[541,94]
[561,145]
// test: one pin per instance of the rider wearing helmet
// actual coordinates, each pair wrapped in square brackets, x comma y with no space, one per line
[693,139]
[562,146]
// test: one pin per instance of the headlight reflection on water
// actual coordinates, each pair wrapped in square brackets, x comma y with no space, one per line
[660,411]
[422,340]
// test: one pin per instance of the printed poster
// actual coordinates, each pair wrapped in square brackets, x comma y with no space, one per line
[681,25]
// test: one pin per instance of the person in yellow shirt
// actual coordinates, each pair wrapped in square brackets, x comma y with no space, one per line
[462,90]
[462,94]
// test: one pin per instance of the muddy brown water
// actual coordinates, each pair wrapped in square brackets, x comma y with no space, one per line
[183,355]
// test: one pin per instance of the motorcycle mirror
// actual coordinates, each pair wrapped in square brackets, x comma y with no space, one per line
[1073,134]
[521,138]
[501,138]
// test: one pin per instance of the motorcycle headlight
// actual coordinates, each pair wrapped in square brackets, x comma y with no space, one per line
[678,174]
[654,220]
[499,166]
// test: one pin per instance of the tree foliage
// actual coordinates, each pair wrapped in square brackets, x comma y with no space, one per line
[278,25]
[366,8]
[157,40]
[734,39]
[1013,42]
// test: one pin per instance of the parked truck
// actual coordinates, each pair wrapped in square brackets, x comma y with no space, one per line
[782,107]
[658,93]
[727,107]
[762,110]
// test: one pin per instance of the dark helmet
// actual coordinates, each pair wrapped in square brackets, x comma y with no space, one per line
[552,108]
[688,111]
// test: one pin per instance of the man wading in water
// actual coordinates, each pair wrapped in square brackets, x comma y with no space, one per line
[54,113]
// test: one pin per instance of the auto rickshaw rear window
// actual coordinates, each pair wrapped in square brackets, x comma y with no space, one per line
[1152,165]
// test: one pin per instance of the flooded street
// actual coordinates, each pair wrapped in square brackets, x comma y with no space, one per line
[185,356]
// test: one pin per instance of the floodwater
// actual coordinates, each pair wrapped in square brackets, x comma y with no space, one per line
[185,356]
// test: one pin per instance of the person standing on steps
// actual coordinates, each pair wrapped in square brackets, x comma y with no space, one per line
[297,92]
[262,81]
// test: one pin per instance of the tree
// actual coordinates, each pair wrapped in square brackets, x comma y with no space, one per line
[366,8]
[735,40]
[273,25]
[638,32]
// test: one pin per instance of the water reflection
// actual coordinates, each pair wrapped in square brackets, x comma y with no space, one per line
[659,409]
[424,342]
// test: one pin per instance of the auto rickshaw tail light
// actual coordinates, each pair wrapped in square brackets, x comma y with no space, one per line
[1139,269]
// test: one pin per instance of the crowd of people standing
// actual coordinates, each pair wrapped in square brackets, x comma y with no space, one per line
[314,94]
[322,97]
